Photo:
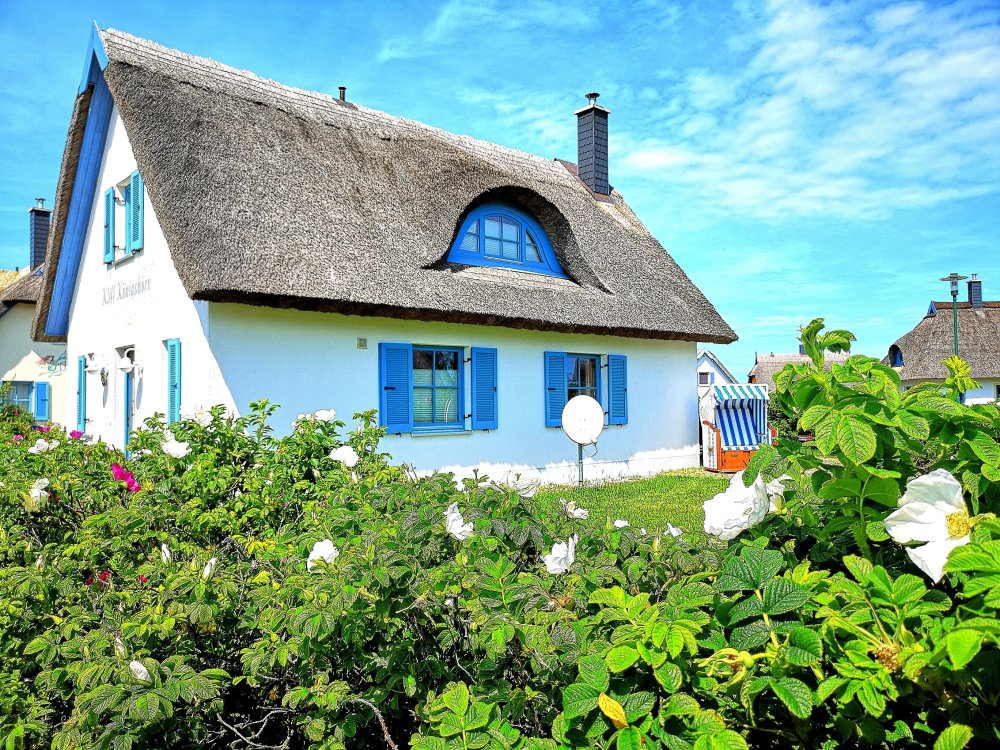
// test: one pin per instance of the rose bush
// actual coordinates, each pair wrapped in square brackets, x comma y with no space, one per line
[220,585]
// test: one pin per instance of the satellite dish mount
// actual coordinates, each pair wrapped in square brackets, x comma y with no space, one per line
[582,421]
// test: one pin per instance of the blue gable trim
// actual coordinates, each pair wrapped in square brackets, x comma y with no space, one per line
[81,201]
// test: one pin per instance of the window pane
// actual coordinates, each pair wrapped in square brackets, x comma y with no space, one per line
[572,371]
[493,226]
[531,252]
[493,247]
[423,405]
[588,372]
[446,405]
[511,250]
[511,229]
[447,368]
[470,241]
[423,367]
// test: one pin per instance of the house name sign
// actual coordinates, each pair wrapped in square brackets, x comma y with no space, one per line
[124,290]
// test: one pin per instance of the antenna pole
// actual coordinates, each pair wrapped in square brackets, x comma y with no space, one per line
[579,454]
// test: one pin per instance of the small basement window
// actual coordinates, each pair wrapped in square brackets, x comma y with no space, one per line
[498,235]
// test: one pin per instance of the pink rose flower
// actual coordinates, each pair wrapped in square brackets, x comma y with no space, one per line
[18,439]
[43,428]
[76,434]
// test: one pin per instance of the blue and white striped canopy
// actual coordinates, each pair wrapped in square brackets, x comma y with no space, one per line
[741,416]
[739,395]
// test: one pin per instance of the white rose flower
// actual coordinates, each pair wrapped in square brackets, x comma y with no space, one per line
[43,446]
[324,551]
[456,525]
[165,556]
[562,556]
[673,530]
[737,509]
[573,511]
[525,486]
[176,449]
[776,493]
[120,652]
[326,415]
[139,671]
[932,510]
[203,418]
[620,523]
[346,455]
[209,571]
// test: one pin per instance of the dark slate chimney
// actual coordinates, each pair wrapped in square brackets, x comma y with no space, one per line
[38,232]
[975,292]
[592,145]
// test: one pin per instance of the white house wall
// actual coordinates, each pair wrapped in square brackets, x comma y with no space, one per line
[22,359]
[138,302]
[308,361]
[988,391]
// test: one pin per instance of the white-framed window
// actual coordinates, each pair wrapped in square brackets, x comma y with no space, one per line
[124,214]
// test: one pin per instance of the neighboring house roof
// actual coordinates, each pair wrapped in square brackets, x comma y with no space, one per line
[8,277]
[275,196]
[766,366]
[27,289]
[718,363]
[931,342]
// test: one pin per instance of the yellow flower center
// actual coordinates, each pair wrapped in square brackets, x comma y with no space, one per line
[958,524]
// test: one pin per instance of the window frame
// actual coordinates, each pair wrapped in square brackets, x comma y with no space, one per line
[547,266]
[124,198]
[435,427]
[16,403]
[614,402]
[598,367]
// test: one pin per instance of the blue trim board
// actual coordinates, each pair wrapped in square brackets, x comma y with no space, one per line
[549,265]
[81,202]
[96,59]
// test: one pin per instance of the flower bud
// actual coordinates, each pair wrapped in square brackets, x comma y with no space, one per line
[40,564]
[139,670]
[165,556]
[209,572]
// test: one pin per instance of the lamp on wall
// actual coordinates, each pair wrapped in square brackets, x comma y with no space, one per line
[126,363]
[97,364]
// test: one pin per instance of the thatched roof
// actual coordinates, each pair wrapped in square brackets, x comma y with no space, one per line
[27,289]
[767,365]
[275,196]
[8,277]
[932,341]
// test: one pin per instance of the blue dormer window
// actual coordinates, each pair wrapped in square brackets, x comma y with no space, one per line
[496,235]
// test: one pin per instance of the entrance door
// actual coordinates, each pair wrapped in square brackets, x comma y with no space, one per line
[129,404]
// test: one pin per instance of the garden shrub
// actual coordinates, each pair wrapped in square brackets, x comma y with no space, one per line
[220,585]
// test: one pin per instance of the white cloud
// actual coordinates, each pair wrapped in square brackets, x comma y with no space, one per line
[457,19]
[836,114]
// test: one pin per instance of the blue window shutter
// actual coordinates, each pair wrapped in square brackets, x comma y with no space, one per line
[555,388]
[81,394]
[395,387]
[617,389]
[137,213]
[128,220]
[42,401]
[173,380]
[109,225]
[485,409]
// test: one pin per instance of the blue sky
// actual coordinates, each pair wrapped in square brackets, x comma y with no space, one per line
[797,159]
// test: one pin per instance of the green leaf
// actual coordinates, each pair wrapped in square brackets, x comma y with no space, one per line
[593,672]
[875,530]
[781,595]
[955,737]
[963,645]
[759,461]
[986,448]
[826,433]
[813,416]
[579,700]
[629,739]
[457,699]
[795,694]
[750,636]
[882,491]
[750,570]
[804,647]
[621,658]
[914,425]
[669,676]
[727,739]
[856,439]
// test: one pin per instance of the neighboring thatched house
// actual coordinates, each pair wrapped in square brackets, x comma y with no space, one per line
[767,365]
[918,355]
[220,238]
[34,370]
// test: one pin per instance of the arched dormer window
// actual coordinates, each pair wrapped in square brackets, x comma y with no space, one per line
[895,356]
[497,235]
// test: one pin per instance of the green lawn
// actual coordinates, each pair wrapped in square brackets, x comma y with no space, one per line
[674,496]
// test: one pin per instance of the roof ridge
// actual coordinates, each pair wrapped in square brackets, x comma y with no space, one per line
[313,99]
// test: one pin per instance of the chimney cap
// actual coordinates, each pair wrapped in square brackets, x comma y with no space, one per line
[343,93]
[592,97]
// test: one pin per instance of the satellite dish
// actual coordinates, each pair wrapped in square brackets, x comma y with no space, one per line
[583,419]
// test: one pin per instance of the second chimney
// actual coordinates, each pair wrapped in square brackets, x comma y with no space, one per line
[975,292]
[592,145]
[39,219]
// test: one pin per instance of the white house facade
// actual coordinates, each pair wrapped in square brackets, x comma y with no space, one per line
[219,239]
[711,371]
